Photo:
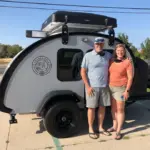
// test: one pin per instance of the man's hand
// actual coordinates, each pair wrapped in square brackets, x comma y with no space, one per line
[90,91]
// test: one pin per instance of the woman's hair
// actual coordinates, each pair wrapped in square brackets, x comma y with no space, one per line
[117,46]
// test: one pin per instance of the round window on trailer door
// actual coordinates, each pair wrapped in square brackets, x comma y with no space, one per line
[69,64]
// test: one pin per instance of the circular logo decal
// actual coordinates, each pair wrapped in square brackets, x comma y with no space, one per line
[41,65]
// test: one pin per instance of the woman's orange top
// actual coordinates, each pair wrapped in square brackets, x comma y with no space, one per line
[118,72]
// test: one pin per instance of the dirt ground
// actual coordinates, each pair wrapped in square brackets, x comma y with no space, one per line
[5,60]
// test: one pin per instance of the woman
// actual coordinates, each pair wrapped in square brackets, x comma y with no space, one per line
[120,81]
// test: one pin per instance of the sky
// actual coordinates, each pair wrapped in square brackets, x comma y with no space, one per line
[15,22]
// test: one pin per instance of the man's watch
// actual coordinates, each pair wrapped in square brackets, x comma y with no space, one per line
[128,91]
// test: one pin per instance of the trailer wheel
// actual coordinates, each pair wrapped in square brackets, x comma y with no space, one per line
[62,119]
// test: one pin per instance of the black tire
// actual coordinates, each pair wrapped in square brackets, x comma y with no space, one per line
[62,119]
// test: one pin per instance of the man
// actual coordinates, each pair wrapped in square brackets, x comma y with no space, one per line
[94,73]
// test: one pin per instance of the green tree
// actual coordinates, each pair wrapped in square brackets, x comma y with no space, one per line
[3,51]
[13,50]
[135,51]
[146,49]
[124,38]
[9,50]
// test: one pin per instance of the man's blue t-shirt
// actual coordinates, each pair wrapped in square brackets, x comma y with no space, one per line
[97,68]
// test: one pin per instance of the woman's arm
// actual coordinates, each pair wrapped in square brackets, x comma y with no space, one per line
[130,80]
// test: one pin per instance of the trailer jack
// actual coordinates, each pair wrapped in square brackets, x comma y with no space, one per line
[12,119]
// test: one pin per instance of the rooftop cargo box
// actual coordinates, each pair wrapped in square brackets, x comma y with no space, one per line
[77,21]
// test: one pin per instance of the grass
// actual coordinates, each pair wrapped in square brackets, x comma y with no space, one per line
[126,137]
[102,140]
[5,60]
[143,135]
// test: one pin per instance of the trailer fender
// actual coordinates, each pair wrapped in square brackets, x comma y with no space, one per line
[56,96]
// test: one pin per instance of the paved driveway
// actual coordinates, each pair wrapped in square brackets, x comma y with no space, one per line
[29,133]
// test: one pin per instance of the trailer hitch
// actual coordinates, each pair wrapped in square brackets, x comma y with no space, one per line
[65,33]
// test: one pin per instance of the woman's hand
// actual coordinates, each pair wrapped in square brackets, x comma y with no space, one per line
[126,95]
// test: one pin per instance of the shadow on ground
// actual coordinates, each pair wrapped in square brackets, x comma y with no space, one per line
[137,115]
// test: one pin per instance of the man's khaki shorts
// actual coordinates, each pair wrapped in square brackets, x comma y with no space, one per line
[101,97]
[117,92]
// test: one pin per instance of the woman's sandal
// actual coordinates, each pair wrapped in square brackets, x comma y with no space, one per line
[93,136]
[111,130]
[118,136]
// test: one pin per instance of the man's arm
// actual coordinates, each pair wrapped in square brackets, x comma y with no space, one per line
[84,67]
[90,90]
[84,77]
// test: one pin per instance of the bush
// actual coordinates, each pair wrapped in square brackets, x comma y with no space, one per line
[9,51]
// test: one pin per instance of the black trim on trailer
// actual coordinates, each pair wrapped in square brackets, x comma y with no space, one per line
[49,99]
[7,75]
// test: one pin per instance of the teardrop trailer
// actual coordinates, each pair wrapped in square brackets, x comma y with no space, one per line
[44,78]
